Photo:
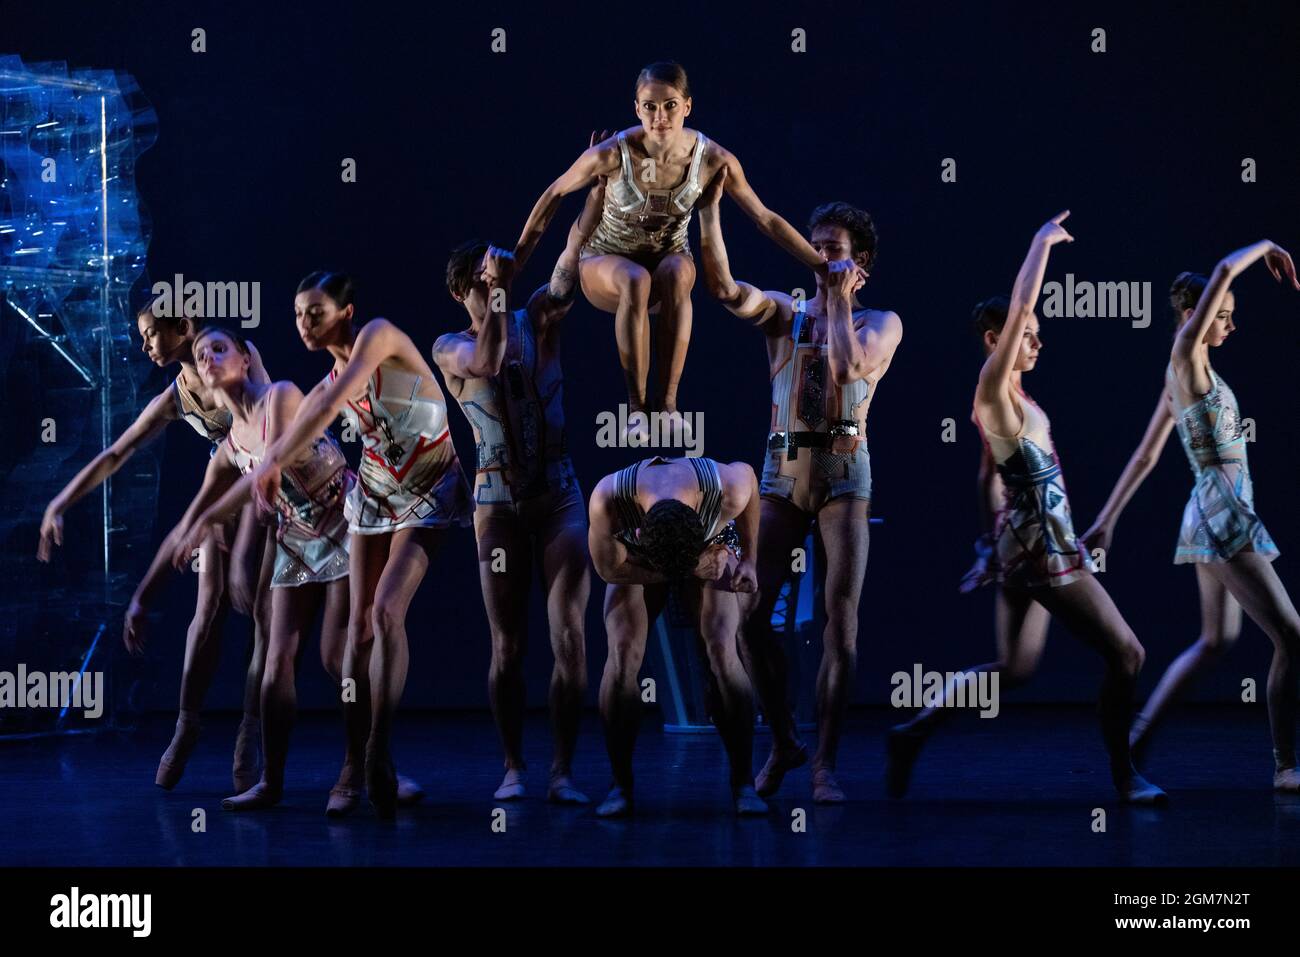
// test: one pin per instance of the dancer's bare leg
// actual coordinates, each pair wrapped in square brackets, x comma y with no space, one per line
[260,550]
[1021,625]
[618,285]
[843,525]
[1256,586]
[782,529]
[673,280]
[1086,609]
[505,572]
[630,610]
[408,560]
[367,555]
[1220,627]
[719,626]
[202,654]
[293,611]
[566,571]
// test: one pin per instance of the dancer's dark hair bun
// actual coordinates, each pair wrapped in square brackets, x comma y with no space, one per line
[1185,293]
[991,314]
[665,71]
[337,285]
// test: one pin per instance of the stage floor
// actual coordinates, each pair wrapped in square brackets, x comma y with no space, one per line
[1017,790]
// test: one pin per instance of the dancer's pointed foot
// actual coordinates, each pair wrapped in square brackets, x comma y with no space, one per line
[748,803]
[902,747]
[247,768]
[256,798]
[512,786]
[617,804]
[1135,789]
[779,763]
[408,792]
[172,765]
[826,790]
[381,783]
[563,791]
[1286,780]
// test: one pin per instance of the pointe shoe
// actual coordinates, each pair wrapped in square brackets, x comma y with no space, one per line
[343,800]
[512,787]
[174,759]
[748,803]
[1286,780]
[826,790]
[1135,789]
[408,792]
[381,784]
[779,763]
[246,771]
[562,791]
[257,798]
[617,804]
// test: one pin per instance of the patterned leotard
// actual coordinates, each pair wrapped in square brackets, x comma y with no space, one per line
[1033,541]
[312,530]
[1219,520]
[212,424]
[409,475]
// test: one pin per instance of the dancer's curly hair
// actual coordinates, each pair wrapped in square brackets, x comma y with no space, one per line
[672,538]
[858,223]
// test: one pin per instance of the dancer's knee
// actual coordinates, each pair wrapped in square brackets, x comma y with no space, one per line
[507,652]
[634,285]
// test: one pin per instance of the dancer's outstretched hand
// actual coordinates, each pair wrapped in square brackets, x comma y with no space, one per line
[1052,232]
[133,628]
[1279,263]
[51,535]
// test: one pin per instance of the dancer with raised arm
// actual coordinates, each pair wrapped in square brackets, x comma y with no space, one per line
[504,371]
[1220,533]
[825,359]
[410,489]
[1032,555]
[638,253]
[237,578]
[689,524]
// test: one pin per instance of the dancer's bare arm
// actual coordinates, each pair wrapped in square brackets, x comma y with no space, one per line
[852,353]
[482,357]
[768,310]
[609,556]
[770,224]
[1139,466]
[160,411]
[991,396]
[599,160]
[741,487]
[1193,377]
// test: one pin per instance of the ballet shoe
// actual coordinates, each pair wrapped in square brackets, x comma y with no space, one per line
[562,791]
[172,765]
[408,792]
[381,784]
[246,771]
[617,804]
[343,800]
[1135,789]
[902,748]
[512,786]
[748,803]
[826,790]
[257,798]
[779,763]
[1286,780]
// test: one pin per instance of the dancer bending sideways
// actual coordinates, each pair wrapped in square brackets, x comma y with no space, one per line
[238,578]
[1220,534]
[689,525]
[410,489]
[311,557]
[825,358]
[504,371]
[637,254]
[1032,554]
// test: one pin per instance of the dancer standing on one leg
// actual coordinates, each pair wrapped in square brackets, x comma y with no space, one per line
[237,578]
[311,559]
[1033,555]
[505,373]
[1221,534]
[663,524]
[638,253]
[409,490]
[825,358]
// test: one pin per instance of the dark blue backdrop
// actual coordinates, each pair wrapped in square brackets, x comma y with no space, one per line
[1144,143]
